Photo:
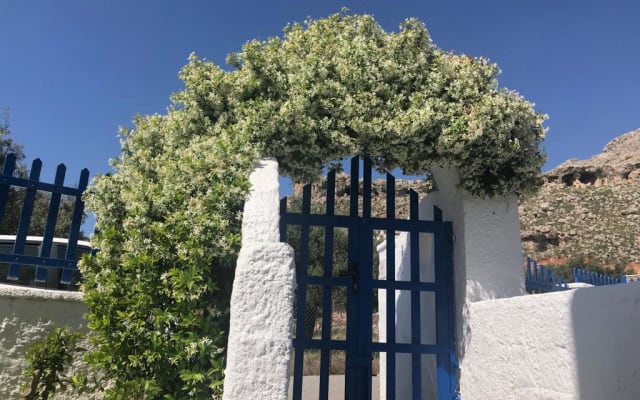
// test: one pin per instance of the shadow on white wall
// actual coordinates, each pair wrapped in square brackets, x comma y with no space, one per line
[606,334]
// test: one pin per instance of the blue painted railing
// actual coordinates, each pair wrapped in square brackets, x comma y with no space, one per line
[593,278]
[540,279]
[630,278]
[44,260]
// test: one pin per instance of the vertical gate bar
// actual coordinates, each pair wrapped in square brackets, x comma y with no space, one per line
[76,221]
[442,239]
[52,217]
[355,187]
[416,357]
[366,275]
[437,214]
[25,217]
[7,173]
[391,297]
[366,188]
[301,275]
[454,366]
[350,386]
[327,311]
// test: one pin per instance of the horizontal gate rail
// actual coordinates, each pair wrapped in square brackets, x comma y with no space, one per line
[37,261]
[376,283]
[402,348]
[376,223]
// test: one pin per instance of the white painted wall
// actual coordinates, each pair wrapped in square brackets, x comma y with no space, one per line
[259,347]
[26,314]
[578,344]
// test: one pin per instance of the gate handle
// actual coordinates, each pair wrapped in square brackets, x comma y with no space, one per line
[354,277]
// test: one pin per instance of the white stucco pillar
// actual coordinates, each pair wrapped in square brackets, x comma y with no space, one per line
[487,253]
[259,347]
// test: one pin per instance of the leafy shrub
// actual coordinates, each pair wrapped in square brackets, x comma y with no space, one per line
[158,290]
[47,360]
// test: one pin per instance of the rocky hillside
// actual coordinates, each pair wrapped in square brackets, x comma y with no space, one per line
[588,208]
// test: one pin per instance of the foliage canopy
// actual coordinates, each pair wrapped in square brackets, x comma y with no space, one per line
[169,217]
[342,86]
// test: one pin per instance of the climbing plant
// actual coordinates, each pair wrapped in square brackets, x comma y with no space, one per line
[169,216]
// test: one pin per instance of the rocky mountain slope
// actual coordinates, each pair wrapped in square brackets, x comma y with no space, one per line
[588,208]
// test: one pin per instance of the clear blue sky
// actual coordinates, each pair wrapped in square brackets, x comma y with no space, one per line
[72,71]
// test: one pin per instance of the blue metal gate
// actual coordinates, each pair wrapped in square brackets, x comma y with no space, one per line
[361,285]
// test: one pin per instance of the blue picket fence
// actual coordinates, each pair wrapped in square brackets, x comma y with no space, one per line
[593,278]
[541,279]
[44,260]
[630,278]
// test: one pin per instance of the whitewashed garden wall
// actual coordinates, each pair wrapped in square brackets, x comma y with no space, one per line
[26,314]
[578,344]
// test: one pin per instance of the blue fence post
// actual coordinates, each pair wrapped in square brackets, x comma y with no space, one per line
[52,218]
[25,217]
[74,232]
